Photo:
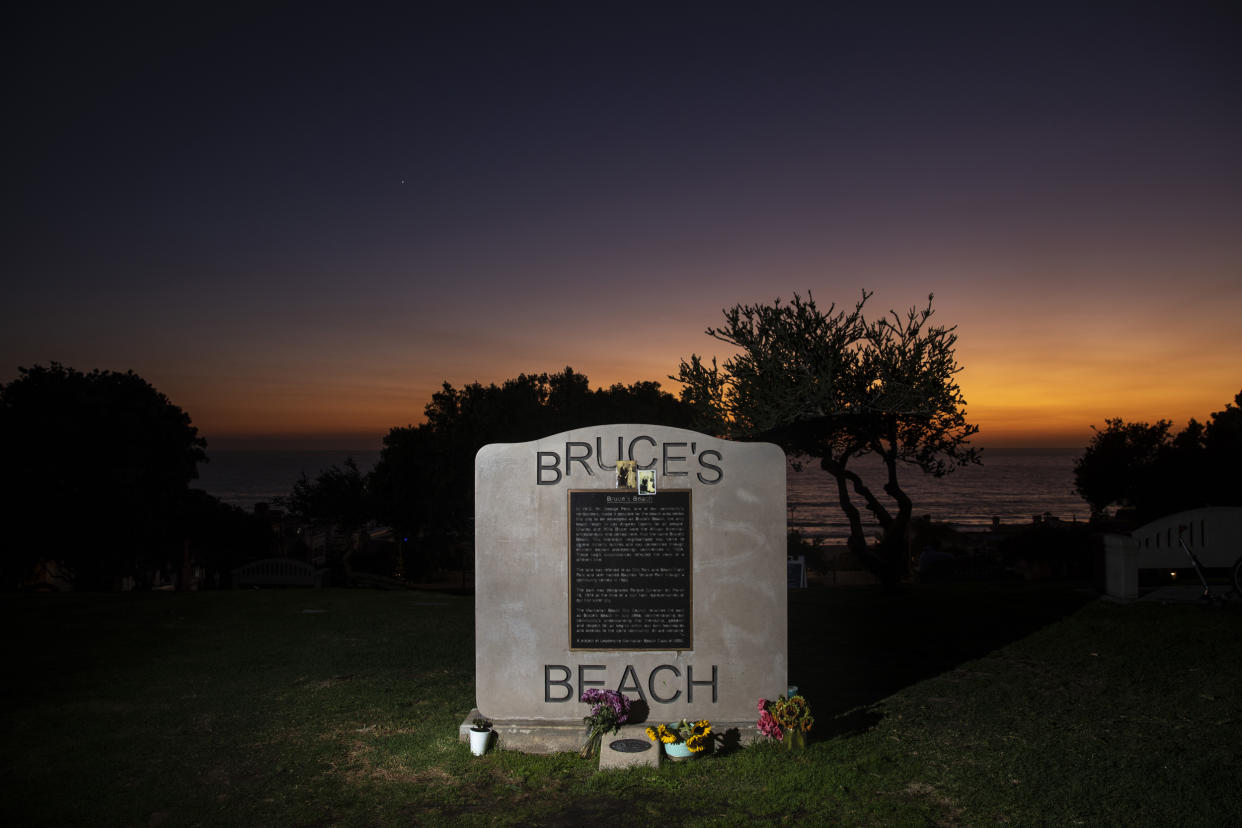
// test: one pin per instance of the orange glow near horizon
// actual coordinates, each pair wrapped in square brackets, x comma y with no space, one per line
[1010,396]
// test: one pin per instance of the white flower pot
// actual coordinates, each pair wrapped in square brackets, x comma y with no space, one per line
[479,740]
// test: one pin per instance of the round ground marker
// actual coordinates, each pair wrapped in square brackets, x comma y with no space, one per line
[630,745]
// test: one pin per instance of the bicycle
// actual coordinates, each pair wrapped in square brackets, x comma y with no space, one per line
[1208,596]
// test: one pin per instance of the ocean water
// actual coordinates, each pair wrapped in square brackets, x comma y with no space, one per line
[244,478]
[1014,485]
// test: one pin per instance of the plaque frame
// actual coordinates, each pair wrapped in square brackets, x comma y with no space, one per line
[569,538]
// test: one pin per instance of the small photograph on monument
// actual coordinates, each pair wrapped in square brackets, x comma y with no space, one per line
[626,471]
[646,481]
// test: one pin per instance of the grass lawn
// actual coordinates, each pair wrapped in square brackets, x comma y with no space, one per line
[940,705]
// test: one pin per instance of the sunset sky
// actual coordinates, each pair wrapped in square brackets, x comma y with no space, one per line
[297,223]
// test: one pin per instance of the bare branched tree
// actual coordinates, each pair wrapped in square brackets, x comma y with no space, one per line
[832,386]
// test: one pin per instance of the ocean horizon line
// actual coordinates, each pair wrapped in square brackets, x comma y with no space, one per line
[303,449]
[1013,483]
[360,441]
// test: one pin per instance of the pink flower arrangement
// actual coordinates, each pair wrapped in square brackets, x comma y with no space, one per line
[767,724]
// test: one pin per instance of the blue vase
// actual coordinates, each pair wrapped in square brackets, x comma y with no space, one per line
[677,751]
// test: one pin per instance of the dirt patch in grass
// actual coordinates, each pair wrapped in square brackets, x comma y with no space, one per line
[950,814]
[363,769]
[405,776]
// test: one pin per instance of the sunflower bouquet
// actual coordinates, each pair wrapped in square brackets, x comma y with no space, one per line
[783,717]
[696,736]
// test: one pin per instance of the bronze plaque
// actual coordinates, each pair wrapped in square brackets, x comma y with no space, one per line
[630,570]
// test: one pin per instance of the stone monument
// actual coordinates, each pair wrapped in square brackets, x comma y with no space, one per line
[663,578]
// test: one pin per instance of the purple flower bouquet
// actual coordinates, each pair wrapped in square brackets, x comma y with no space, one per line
[609,710]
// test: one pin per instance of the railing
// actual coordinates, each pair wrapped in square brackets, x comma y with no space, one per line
[277,572]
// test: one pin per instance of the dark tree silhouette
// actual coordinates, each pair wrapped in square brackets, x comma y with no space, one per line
[336,500]
[423,485]
[1146,471]
[94,474]
[1120,464]
[832,386]
[337,497]
[221,537]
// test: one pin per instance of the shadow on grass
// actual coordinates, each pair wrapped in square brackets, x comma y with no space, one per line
[850,647]
[728,742]
[853,723]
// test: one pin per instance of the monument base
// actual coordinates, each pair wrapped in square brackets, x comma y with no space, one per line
[558,735]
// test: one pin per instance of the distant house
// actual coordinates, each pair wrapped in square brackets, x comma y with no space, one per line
[1213,533]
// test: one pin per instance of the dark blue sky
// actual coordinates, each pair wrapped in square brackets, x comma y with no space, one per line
[298,219]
